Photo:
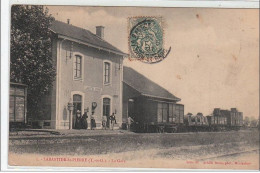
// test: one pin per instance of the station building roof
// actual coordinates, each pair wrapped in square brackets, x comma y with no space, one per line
[145,86]
[83,35]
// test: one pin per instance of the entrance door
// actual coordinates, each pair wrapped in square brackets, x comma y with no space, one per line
[131,110]
[106,109]
[77,103]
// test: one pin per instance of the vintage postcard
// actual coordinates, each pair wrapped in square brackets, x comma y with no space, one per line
[134,87]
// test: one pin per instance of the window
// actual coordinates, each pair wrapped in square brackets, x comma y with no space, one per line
[78,67]
[106,107]
[107,71]
[17,103]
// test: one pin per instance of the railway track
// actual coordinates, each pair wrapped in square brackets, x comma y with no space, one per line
[229,154]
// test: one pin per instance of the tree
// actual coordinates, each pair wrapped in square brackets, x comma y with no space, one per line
[31,60]
[253,122]
[246,121]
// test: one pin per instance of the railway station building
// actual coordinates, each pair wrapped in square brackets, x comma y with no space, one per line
[89,75]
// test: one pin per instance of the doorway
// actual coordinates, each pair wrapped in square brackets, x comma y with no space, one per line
[77,103]
[106,109]
[131,110]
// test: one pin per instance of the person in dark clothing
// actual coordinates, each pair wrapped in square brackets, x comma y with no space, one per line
[84,121]
[93,123]
[113,120]
[78,120]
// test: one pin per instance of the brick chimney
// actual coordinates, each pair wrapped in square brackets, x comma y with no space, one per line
[233,109]
[100,31]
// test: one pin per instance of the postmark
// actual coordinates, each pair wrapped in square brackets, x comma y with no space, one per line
[146,39]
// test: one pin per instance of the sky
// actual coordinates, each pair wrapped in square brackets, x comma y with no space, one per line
[214,58]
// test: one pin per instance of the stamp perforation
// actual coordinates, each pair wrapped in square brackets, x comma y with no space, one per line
[149,21]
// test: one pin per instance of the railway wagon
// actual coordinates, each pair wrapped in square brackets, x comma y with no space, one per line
[218,120]
[225,119]
[217,123]
[235,119]
[17,105]
[195,122]
[157,116]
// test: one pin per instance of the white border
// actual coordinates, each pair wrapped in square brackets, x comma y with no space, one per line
[148,3]
[5,48]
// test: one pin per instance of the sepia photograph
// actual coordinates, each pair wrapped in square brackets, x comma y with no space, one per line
[134,87]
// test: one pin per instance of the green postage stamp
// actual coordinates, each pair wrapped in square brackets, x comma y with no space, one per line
[146,38]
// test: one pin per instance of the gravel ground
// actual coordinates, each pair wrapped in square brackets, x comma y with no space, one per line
[104,143]
[62,133]
[135,148]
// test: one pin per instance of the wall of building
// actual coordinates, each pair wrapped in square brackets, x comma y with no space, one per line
[128,93]
[91,86]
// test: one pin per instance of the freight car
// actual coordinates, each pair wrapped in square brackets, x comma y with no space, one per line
[159,117]
[196,122]
[217,123]
[226,119]
[219,120]
[170,118]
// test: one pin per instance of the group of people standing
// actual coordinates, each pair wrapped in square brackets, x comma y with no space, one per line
[81,121]
[111,119]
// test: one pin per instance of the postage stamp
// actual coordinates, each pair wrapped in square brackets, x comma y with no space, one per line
[146,38]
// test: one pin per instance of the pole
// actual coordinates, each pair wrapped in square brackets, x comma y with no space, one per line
[70,126]
[70,108]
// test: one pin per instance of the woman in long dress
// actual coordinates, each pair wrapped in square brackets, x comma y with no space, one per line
[84,121]
[78,120]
